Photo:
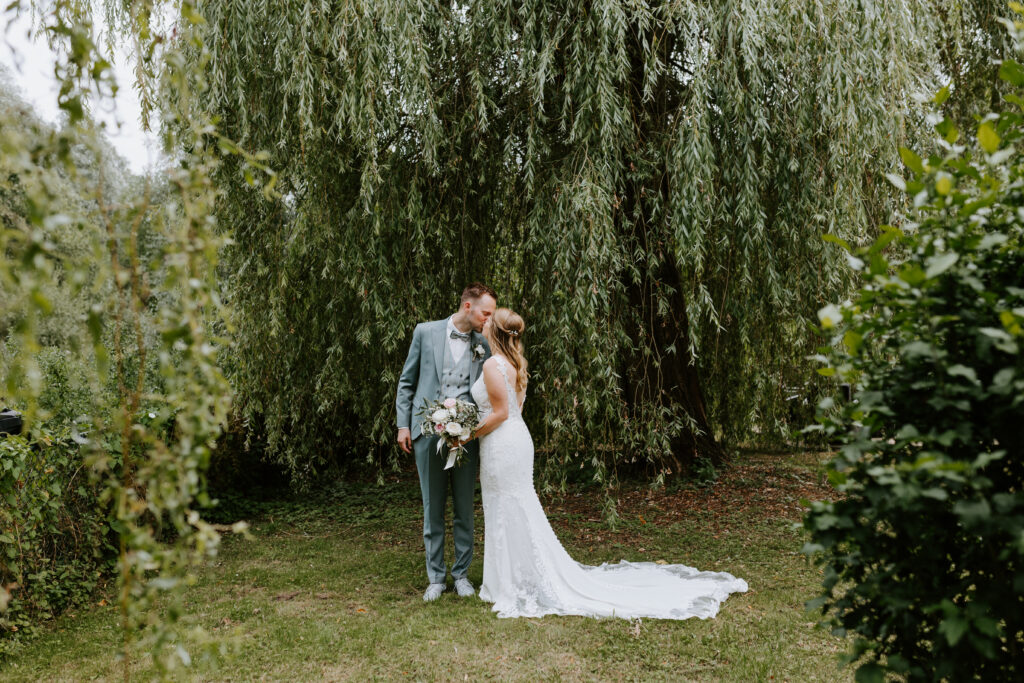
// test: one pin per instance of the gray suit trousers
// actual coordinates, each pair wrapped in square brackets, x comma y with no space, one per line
[434,484]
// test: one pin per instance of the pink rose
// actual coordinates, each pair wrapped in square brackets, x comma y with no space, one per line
[449,403]
[439,428]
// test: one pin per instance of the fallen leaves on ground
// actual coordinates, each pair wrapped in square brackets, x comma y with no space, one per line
[770,487]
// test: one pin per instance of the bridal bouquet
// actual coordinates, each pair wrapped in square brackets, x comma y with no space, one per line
[453,420]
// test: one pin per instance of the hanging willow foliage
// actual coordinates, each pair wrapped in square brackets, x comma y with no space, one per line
[119,279]
[647,183]
[970,48]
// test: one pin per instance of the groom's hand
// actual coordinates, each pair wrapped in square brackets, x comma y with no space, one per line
[405,440]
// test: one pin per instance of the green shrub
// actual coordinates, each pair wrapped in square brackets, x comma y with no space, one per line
[66,393]
[923,553]
[54,534]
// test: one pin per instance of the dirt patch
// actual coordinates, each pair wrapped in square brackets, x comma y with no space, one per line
[770,487]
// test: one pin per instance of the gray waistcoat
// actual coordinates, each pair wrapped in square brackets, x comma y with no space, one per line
[455,376]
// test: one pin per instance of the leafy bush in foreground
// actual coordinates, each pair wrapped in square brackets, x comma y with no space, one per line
[924,552]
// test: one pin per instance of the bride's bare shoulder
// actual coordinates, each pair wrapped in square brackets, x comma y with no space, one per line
[491,367]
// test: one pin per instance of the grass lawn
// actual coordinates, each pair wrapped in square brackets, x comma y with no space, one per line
[332,591]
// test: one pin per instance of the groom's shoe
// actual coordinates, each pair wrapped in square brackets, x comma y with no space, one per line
[464,588]
[434,591]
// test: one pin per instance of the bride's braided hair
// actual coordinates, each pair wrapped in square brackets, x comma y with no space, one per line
[507,339]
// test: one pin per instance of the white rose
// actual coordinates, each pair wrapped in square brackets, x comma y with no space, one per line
[465,434]
[439,415]
[453,413]
[454,428]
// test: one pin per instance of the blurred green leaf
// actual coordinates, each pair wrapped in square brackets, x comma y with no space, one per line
[987,138]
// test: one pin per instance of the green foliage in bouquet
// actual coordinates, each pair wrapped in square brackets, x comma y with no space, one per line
[923,552]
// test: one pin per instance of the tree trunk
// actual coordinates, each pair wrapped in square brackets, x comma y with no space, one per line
[666,379]
[662,371]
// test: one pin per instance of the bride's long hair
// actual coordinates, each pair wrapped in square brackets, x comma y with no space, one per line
[507,339]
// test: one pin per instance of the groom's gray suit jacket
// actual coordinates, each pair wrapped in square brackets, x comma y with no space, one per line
[421,376]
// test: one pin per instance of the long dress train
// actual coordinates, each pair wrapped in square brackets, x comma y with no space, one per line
[527,572]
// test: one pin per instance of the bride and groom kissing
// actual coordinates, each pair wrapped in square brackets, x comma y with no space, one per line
[477,354]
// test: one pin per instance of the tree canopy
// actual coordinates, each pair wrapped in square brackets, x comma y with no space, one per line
[648,184]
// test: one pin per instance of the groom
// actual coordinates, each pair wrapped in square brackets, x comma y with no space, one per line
[445,358]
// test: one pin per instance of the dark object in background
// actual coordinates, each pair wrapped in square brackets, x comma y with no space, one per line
[10,422]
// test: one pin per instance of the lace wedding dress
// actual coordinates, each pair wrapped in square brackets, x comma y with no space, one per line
[527,573]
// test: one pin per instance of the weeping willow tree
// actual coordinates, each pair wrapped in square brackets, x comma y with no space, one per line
[649,184]
[970,48]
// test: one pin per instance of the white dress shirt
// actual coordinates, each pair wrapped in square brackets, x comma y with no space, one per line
[456,346]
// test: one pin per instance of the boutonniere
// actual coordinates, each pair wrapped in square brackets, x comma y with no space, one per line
[478,352]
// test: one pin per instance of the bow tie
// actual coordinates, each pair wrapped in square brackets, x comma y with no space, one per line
[464,336]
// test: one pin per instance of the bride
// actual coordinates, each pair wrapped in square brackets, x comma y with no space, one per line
[527,573]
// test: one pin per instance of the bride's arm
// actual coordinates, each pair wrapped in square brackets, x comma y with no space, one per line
[495,385]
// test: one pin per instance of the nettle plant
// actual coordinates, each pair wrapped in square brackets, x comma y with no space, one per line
[923,552]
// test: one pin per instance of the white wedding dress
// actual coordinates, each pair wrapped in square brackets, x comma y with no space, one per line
[527,573]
